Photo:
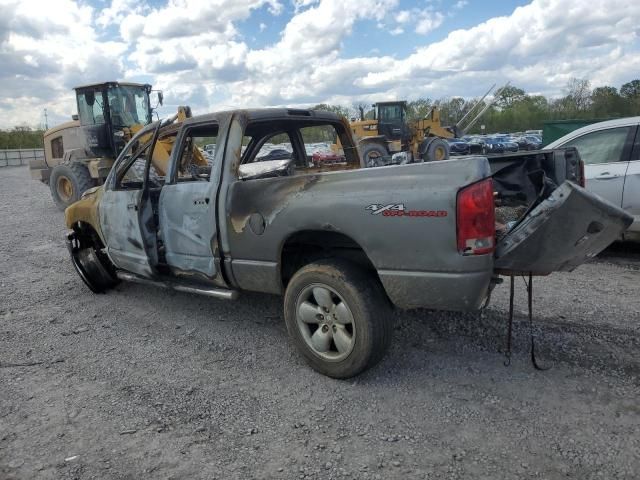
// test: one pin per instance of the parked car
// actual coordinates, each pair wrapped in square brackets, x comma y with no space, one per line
[457,146]
[527,143]
[509,143]
[476,145]
[492,146]
[611,154]
[341,243]
[535,140]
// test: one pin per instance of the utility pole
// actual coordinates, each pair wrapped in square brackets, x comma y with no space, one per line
[46,122]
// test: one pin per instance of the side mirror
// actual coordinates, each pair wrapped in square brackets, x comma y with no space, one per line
[74,117]
[160,97]
[90,98]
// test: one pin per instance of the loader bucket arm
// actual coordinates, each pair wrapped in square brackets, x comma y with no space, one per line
[164,144]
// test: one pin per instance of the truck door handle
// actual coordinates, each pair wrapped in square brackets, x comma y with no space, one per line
[201,201]
[606,176]
[132,206]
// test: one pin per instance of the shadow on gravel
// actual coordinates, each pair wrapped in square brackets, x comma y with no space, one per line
[625,254]
[600,347]
[425,333]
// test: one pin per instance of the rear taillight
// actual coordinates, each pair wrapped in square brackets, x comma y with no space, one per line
[476,219]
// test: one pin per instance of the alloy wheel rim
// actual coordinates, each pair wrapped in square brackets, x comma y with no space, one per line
[325,322]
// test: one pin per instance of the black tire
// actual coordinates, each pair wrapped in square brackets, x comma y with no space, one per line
[92,265]
[373,155]
[68,182]
[437,150]
[367,303]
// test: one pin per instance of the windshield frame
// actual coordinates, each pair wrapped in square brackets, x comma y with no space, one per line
[127,104]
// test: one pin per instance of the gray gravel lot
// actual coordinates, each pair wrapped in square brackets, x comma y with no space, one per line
[142,383]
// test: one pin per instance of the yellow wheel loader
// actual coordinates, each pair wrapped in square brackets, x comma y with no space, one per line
[390,133]
[79,154]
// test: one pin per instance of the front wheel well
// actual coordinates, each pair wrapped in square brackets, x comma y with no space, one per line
[305,247]
[87,235]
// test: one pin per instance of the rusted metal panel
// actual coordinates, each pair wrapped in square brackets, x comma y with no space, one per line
[567,229]
[120,224]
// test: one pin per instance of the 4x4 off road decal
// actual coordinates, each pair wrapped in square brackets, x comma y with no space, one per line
[399,210]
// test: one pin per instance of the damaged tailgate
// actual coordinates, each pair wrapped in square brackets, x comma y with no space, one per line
[565,230]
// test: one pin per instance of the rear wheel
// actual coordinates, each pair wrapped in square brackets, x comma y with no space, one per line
[373,155]
[67,183]
[437,150]
[338,317]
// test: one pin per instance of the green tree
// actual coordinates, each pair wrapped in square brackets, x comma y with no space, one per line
[418,109]
[20,137]
[337,109]
[630,89]
[607,102]
[509,95]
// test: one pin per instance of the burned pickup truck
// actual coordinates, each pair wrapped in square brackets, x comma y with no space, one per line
[343,244]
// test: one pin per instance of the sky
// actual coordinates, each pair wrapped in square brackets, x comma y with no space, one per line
[222,54]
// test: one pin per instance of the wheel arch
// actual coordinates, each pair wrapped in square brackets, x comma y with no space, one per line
[379,139]
[83,214]
[306,246]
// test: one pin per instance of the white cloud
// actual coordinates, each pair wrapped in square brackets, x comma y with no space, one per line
[545,36]
[428,21]
[45,49]
[404,16]
[195,52]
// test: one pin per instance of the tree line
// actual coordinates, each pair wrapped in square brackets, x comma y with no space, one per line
[516,110]
[21,137]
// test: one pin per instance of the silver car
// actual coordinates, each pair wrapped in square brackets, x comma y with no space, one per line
[611,153]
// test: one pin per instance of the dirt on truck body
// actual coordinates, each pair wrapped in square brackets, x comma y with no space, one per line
[343,244]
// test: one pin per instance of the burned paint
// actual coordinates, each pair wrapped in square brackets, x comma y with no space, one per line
[268,197]
[85,211]
[135,243]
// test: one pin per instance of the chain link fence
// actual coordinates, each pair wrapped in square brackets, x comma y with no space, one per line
[16,157]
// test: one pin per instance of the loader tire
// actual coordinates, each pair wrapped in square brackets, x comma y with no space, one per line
[68,182]
[437,150]
[338,317]
[373,155]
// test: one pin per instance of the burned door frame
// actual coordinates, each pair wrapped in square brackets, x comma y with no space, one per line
[124,212]
[188,223]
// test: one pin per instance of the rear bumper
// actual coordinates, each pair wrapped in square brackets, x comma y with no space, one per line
[460,291]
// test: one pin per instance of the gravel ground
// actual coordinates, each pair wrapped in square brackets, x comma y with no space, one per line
[142,383]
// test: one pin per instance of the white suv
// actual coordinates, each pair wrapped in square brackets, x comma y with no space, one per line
[611,154]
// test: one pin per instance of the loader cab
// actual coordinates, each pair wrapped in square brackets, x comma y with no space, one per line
[392,120]
[109,114]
